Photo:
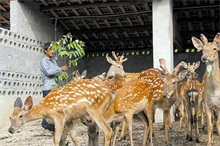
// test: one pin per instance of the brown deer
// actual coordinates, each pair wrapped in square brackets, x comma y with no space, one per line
[191,95]
[211,79]
[132,98]
[165,93]
[62,105]
[159,88]
[114,79]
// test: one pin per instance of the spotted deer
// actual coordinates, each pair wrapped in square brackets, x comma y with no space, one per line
[191,95]
[127,96]
[211,79]
[62,105]
[114,79]
[131,99]
[165,89]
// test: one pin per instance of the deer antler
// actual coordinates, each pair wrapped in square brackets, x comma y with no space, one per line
[114,55]
[177,68]
[119,59]
[163,66]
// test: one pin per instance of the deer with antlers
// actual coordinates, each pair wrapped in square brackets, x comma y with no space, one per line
[211,79]
[135,100]
[114,79]
[167,95]
[62,105]
[191,95]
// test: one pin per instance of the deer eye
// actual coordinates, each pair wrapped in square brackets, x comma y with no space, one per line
[174,82]
[21,116]
[215,49]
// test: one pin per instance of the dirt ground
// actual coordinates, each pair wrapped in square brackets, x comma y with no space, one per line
[30,134]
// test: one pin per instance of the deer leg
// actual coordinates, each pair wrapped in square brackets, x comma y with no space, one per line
[59,127]
[143,118]
[123,131]
[218,123]
[149,111]
[202,116]
[129,118]
[70,126]
[190,123]
[116,129]
[209,124]
[196,121]
[98,117]
[63,137]
[182,115]
[167,126]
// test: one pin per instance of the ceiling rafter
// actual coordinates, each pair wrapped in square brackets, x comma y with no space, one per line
[115,29]
[92,5]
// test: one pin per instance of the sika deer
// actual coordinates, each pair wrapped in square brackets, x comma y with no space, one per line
[191,94]
[62,105]
[132,98]
[211,79]
[153,79]
[116,70]
[114,81]
[165,89]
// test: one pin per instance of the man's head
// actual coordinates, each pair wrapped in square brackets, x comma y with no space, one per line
[48,50]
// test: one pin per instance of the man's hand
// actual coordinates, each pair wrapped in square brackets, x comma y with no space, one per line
[64,68]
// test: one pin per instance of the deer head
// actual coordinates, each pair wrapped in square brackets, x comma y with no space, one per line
[100,77]
[18,116]
[170,79]
[78,76]
[191,70]
[116,69]
[209,49]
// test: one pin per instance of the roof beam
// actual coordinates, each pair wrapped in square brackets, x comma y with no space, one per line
[101,17]
[92,5]
[114,29]
[118,39]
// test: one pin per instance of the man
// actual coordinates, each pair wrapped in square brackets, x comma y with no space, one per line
[49,71]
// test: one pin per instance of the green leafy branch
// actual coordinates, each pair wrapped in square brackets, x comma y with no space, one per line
[70,50]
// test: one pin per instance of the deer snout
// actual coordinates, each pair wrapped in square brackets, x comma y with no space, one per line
[204,58]
[11,130]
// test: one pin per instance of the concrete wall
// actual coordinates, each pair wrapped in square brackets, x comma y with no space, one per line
[20,54]
[28,20]
[19,70]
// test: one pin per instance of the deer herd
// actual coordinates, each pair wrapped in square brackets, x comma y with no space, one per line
[110,100]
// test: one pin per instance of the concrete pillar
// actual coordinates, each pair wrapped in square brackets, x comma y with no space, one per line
[27,19]
[162,38]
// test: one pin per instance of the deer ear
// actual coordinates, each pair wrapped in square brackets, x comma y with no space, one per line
[203,38]
[182,75]
[28,103]
[109,59]
[83,75]
[77,74]
[18,103]
[197,64]
[197,43]
[217,39]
